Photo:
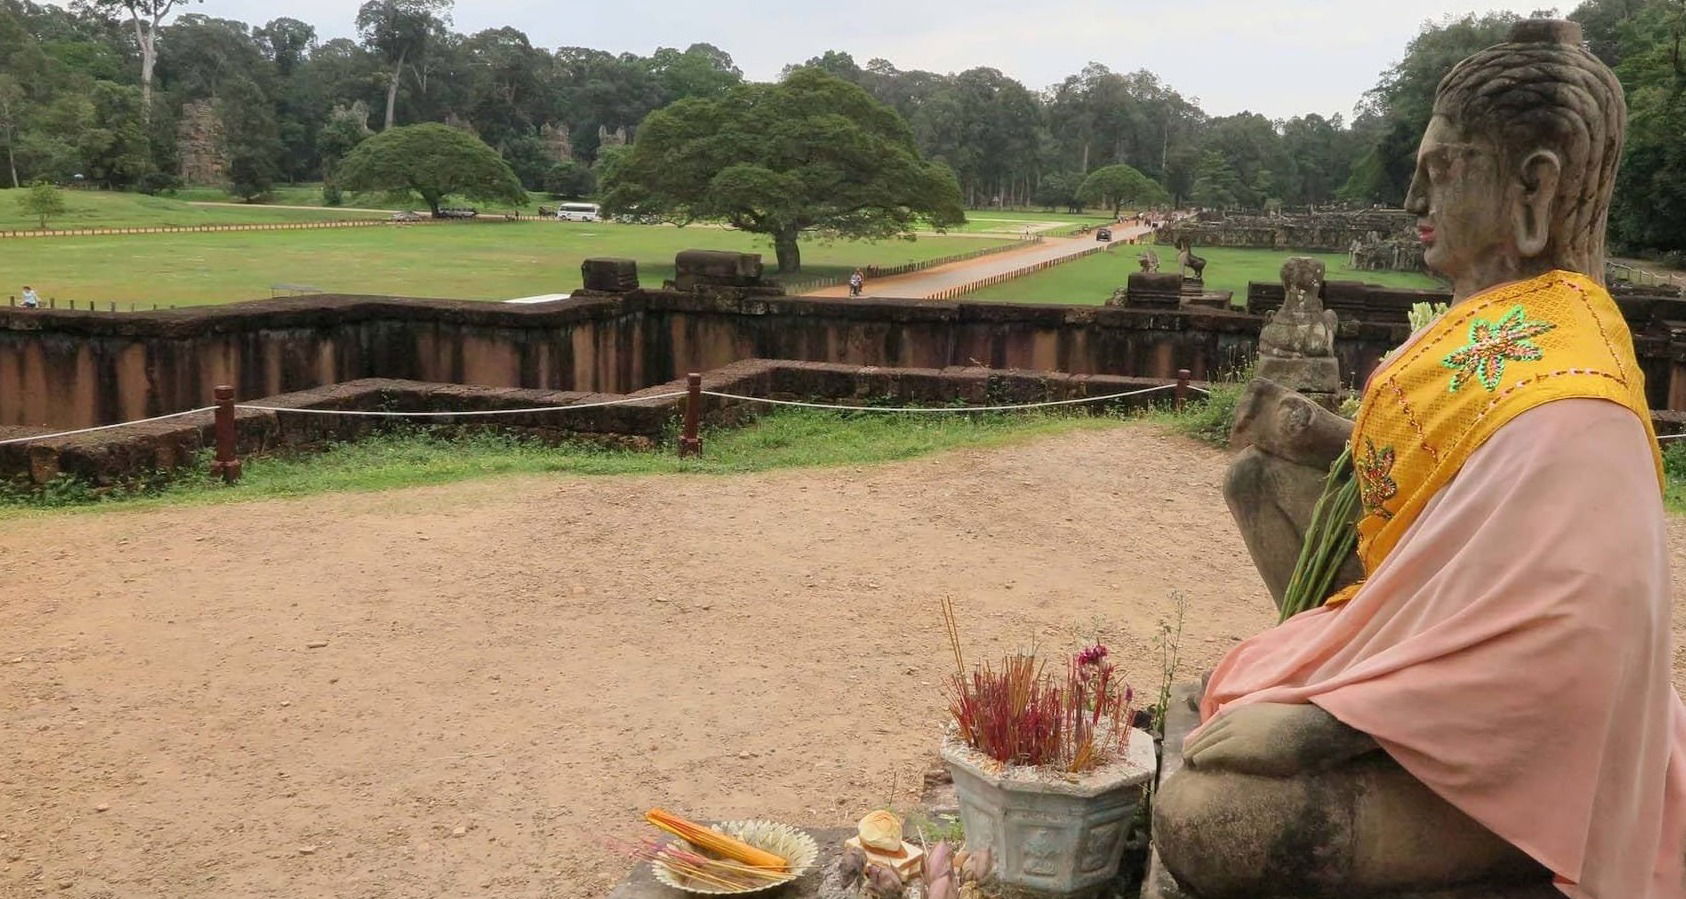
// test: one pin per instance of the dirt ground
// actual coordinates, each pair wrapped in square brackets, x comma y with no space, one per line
[515,669]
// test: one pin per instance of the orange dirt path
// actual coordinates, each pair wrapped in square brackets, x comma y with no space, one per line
[516,668]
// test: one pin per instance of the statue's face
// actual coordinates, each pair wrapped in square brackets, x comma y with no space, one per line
[1462,201]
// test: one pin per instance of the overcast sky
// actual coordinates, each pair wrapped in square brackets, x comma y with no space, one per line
[1276,57]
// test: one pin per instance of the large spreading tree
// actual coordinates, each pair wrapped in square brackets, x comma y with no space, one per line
[812,154]
[1116,185]
[433,161]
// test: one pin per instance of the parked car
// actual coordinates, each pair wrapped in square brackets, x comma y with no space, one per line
[406,216]
[457,212]
[1103,234]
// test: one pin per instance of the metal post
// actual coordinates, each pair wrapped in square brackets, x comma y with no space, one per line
[226,464]
[1182,388]
[690,444]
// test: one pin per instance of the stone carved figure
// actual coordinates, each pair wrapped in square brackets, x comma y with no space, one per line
[1149,261]
[1188,261]
[1400,741]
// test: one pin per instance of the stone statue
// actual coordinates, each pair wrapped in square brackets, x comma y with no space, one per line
[1297,343]
[1188,261]
[1281,798]
[1149,261]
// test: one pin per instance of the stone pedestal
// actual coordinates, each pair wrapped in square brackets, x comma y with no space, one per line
[1312,376]
[609,275]
[1153,290]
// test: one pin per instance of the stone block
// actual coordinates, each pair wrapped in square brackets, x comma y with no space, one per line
[609,275]
[1320,374]
[1153,290]
[716,268]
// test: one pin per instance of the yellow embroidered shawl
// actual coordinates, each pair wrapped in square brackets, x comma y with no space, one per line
[1487,360]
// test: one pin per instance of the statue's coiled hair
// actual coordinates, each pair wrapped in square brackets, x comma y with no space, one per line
[1542,89]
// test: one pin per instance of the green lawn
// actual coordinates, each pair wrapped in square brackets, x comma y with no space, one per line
[786,439]
[101,209]
[1090,281]
[465,260]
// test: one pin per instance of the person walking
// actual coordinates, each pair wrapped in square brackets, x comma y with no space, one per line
[856,282]
[31,300]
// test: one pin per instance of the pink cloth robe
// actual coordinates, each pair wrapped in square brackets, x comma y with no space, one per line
[1514,653]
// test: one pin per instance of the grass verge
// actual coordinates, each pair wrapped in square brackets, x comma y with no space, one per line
[1091,281]
[410,457]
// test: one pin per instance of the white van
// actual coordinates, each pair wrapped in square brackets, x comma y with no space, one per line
[578,212]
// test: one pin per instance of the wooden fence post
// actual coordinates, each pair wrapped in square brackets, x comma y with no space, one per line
[1182,388]
[227,464]
[690,444]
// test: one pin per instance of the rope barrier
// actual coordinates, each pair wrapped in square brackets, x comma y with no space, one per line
[622,402]
[936,409]
[104,427]
[1671,437]
[477,412]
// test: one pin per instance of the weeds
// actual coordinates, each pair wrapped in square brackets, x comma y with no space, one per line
[409,456]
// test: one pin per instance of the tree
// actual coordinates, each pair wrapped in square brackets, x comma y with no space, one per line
[399,31]
[1216,185]
[43,201]
[432,160]
[811,155]
[145,16]
[1060,191]
[11,114]
[1115,185]
[570,180]
[251,138]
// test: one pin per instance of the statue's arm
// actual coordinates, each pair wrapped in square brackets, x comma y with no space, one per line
[1275,740]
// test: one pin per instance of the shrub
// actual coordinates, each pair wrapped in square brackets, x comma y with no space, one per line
[155,183]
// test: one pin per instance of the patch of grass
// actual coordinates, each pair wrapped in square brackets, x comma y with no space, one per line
[102,209]
[1091,281]
[465,260]
[411,457]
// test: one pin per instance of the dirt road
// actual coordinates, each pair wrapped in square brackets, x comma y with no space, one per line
[465,690]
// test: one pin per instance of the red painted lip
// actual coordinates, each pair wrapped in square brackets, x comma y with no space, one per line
[1425,234]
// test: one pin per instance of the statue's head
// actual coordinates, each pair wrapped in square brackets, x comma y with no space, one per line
[1303,274]
[1515,172]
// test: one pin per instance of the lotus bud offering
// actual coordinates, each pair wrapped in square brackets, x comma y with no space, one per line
[882,831]
[883,883]
[852,864]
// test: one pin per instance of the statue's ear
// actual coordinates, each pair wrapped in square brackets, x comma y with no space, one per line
[1539,174]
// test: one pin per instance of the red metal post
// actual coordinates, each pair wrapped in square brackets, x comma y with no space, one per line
[227,464]
[1182,388]
[690,444]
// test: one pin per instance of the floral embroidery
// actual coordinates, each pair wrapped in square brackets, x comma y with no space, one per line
[1492,344]
[1375,479]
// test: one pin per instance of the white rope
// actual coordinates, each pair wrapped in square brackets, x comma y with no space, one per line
[103,427]
[528,411]
[936,409]
[1671,437]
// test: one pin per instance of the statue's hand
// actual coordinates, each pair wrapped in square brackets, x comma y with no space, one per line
[1275,740]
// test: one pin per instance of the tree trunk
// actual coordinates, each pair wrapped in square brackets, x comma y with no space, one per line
[12,161]
[789,253]
[147,39]
[392,91]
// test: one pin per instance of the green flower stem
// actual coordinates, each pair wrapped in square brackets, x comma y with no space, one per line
[1329,539]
